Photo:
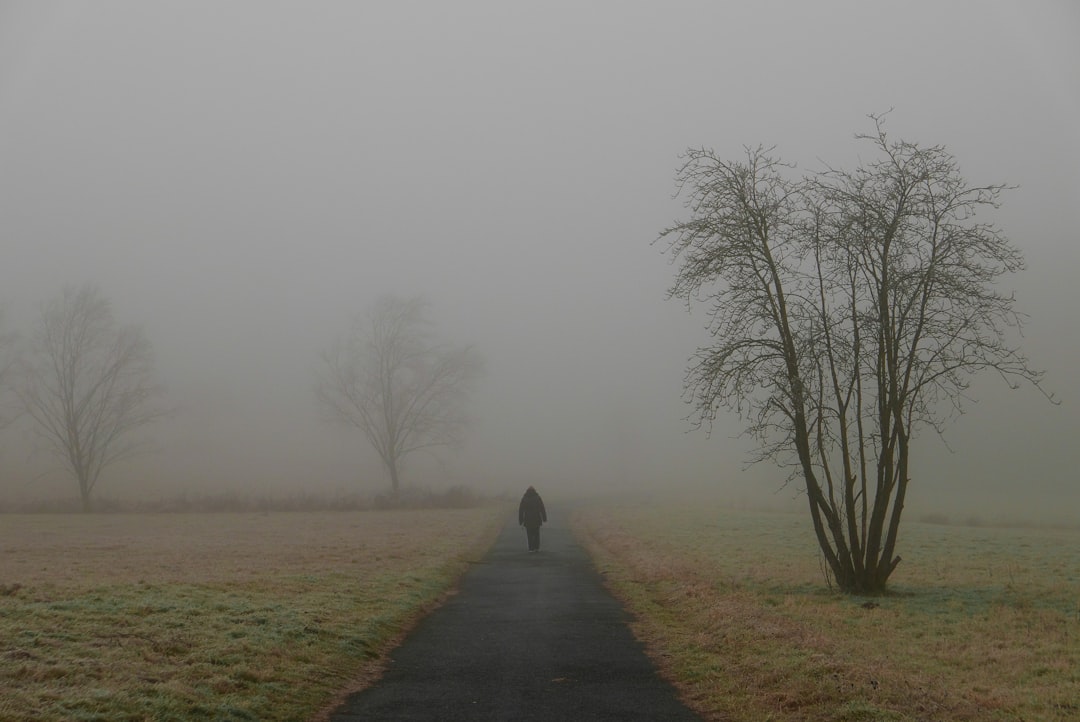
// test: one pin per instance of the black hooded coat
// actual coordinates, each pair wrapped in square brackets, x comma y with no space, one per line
[531,511]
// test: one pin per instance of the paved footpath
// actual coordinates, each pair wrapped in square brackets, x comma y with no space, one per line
[527,637]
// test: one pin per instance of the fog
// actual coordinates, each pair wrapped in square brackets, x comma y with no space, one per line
[241,178]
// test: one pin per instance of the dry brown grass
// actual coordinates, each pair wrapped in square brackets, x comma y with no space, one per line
[982,625]
[224,616]
[66,550]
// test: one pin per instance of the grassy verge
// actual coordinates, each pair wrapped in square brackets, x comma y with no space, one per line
[214,616]
[982,624]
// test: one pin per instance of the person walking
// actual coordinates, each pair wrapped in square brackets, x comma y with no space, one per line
[531,514]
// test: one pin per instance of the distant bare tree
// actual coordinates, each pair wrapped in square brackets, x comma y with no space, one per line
[390,379]
[88,384]
[848,309]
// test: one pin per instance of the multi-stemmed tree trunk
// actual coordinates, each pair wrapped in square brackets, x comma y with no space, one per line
[389,379]
[848,308]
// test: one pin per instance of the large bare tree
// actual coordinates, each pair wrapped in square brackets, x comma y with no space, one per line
[848,309]
[88,385]
[393,381]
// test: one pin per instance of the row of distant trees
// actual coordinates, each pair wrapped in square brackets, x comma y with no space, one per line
[88,385]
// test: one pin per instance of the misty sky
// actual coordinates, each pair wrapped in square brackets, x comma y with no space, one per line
[242,177]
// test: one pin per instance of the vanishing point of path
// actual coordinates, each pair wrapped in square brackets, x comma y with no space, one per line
[527,637]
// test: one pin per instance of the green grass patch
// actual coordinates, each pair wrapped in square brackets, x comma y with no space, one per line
[254,619]
[981,624]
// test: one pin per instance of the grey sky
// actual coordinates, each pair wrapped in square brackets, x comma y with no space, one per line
[241,177]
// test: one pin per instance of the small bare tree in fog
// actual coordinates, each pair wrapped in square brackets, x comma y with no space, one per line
[390,379]
[849,309]
[88,385]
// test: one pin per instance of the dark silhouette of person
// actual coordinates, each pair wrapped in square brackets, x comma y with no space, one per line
[531,514]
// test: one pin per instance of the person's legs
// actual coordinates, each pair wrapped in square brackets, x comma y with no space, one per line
[534,537]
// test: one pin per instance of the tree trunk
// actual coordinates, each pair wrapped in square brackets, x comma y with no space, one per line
[871,579]
[395,483]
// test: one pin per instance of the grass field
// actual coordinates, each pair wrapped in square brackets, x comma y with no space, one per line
[215,616]
[981,624]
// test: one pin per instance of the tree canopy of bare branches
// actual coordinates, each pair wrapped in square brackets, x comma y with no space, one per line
[391,380]
[88,385]
[848,308]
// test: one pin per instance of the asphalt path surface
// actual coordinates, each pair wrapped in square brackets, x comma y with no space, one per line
[527,637]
